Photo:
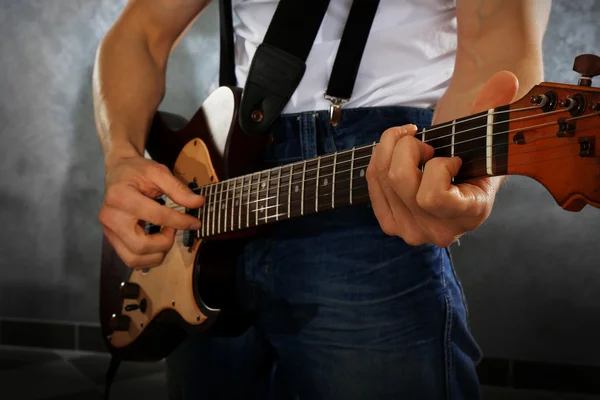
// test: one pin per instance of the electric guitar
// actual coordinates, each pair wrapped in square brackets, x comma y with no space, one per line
[551,135]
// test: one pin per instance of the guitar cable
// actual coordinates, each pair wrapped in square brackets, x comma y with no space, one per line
[110,375]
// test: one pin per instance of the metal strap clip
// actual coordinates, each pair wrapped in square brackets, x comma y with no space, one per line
[335,109]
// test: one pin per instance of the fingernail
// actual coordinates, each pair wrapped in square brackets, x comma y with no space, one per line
[196,225]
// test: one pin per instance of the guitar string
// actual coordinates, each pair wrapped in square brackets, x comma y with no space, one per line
[327,195]
[226,229]
[217,206]
[290,166]
[484,115]
[365,147]
[254,189]
[346,189]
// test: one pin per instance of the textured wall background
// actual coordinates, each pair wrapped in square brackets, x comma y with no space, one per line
[531,273]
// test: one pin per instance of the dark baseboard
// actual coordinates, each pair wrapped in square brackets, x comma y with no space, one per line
[492,371]
[51,335]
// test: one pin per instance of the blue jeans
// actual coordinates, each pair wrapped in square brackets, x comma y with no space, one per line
[343,310]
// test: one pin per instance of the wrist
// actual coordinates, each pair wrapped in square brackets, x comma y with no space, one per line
[119,152]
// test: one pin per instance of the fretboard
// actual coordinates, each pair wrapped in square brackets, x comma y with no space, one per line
[339,179]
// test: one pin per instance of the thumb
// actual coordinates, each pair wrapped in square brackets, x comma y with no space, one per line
[176,190]
[499,90]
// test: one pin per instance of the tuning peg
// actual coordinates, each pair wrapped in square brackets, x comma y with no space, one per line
[588,65]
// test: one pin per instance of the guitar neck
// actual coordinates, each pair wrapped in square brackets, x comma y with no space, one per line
[339,180]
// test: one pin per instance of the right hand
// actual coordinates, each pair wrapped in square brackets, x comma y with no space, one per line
[132,183]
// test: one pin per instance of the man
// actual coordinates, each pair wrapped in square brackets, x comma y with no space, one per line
[360,303]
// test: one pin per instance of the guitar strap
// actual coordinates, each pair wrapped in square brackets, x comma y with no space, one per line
[227,57]
[280,60]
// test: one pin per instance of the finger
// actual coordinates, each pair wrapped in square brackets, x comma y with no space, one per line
[404,174]
[379,203]
[501,89]
[130,259]
[438,196]
[382,154]
[174,188]
[132,235]
[406,225]
[131,201]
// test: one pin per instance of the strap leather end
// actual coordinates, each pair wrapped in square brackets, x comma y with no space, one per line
[275,75]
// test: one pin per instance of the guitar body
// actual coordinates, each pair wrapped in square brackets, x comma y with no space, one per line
[193,292]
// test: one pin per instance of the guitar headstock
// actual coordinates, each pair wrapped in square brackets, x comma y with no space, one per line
[554,137]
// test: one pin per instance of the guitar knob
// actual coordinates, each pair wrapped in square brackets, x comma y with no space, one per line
[119,322]
[130,290]
[588,65]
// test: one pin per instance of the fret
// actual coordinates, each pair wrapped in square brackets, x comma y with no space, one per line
[204,207]
[362,157]
[440,138]
[265,209]
[277,201]
[323,182]
[302,192]
[233,203]
[214,208]
[452,137]
[317,185]
[257,205]
[352,172]
[343,178]
[499,140]
[452,142]
[209,209]
[248,201]
[226,208]
[422,167]
[470,144]
[240,201]
[333,181]
[295,199]
[290,191]
[220,207]
[489,142]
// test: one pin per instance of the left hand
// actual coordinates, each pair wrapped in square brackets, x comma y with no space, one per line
[425,207]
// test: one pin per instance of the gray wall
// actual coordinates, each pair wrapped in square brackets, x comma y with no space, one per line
[531,272]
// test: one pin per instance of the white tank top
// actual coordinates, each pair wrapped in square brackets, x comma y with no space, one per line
[408,59]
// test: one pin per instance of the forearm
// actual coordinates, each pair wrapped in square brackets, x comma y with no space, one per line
[128,86]
[130,68]
[494,35]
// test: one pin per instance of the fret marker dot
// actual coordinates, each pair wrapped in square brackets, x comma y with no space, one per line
[237,202]
[325,182]
[362,173]
[263,185]
[296,188]
[222,206]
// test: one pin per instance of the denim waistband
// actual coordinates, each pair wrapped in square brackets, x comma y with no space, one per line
[308,134]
